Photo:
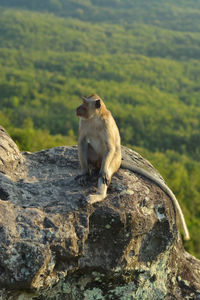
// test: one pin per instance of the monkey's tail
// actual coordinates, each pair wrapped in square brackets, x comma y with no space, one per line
[181,216]
[165,188]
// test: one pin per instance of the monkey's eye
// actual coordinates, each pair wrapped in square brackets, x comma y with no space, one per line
[98,103]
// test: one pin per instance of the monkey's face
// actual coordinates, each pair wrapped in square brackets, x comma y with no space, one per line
[89,108]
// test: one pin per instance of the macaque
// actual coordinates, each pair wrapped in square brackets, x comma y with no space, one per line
[99,144]
[99,147]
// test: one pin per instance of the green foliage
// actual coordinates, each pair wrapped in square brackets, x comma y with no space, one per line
[141,57]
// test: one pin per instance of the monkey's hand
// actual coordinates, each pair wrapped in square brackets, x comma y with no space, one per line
[83,178]
[105,177]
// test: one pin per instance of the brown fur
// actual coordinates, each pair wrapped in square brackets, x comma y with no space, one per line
[99,143]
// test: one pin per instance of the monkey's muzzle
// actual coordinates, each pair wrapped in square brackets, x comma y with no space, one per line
[78,111]
[81,111]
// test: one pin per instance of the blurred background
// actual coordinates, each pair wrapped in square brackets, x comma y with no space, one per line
[143,59]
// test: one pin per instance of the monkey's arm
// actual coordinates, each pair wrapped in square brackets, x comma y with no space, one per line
[104,171]
[165,188]
[83,158]
[83,155]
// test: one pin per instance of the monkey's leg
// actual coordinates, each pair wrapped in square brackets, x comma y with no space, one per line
[102,185]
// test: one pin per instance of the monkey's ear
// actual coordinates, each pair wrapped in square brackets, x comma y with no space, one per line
[84,99]
[98,103]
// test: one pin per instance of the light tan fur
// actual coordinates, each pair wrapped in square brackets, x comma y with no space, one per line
[99,145]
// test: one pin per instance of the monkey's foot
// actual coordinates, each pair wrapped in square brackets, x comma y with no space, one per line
[94,198]
[83,179]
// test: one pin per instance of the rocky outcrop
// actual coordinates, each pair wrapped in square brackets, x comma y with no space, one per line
[55,246]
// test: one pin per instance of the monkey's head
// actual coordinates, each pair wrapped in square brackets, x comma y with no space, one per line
[90,107]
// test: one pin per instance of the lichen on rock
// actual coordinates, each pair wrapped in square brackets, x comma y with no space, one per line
[55,246]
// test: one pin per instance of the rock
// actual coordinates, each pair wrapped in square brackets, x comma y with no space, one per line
[55,246]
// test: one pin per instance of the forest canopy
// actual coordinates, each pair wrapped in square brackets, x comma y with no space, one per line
[141,57]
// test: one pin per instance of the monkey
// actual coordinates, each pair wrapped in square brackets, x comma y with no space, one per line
[99,146]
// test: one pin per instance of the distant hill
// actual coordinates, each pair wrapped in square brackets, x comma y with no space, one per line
[181,15]
[50,61]
[142,57]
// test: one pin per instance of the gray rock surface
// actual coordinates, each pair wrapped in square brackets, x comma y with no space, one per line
[55,246]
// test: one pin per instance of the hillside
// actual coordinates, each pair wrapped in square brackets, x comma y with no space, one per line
[142,58]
